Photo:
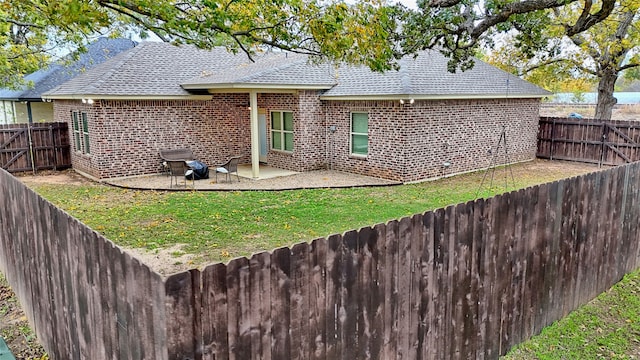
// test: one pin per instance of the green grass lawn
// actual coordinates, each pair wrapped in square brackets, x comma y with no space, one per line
[220,225]
[606,328]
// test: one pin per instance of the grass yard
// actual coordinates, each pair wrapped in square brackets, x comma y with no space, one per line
[606,328]
[217,226]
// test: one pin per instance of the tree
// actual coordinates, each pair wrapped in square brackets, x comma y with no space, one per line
[33,32]
[368,32]
[599,55]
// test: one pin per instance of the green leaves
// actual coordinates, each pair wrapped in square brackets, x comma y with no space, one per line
[367,32]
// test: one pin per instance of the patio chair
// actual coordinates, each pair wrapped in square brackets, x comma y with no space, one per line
[228,168]
[178,169]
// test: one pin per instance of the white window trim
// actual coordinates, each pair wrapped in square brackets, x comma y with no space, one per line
[85,134]
[351,133]
[79,135]
[281,132]
[75,129]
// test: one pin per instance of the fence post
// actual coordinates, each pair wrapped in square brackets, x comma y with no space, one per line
[604,138]
[55,150]
[31,155]
[553,134]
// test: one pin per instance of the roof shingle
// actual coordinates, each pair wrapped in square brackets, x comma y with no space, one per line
[159,69]
[46,79]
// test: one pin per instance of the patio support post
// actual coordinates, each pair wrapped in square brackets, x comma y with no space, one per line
[255,136]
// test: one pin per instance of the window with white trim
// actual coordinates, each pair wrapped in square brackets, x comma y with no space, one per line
[80,128]
[282,130]
[7,112]
[359,134]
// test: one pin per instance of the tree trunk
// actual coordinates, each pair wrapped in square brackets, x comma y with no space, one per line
[606,100]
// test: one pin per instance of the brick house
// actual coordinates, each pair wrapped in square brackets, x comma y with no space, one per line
[416,123]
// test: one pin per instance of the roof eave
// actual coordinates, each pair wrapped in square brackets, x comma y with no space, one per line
[432,97]
[126,97]
[244,87]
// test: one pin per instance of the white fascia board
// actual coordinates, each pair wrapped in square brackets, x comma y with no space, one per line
[127,97]
[244,87]
[431,97]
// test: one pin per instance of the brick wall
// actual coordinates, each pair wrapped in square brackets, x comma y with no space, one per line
[309,133]
[126,136]
[406,142]
[412,142]
[62,112]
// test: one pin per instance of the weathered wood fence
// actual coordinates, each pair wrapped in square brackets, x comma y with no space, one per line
[610,142]
[468,281]
[31,147]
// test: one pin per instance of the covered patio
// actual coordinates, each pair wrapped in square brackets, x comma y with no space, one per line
[270,178]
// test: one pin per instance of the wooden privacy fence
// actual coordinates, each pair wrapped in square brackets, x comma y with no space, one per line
[31,147]
[468,281]
[610,142]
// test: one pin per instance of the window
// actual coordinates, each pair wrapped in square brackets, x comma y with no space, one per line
[282,130]
[76,131]
[85,133]
[7,112]
[80,125]
[359,134]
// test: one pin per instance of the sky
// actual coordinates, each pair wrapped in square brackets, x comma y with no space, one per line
[411,4]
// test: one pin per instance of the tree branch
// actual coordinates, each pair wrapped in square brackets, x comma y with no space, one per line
[21,24]
[587,20]
[629,66]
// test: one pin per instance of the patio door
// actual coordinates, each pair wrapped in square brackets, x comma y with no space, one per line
[262,129]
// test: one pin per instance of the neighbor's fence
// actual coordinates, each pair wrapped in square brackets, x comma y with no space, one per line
[468,281]
[603,142]
[31,147]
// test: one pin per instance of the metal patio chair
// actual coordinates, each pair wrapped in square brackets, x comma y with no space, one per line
[228,168]
[178,169]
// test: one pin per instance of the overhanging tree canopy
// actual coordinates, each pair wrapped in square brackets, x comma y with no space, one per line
[368,32]
[600,54]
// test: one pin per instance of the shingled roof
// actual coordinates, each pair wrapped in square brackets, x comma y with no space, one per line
[162,70]
[426,77]
[281,70]
[152,69]
[46,79]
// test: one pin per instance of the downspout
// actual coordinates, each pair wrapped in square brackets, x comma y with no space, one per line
[255,135]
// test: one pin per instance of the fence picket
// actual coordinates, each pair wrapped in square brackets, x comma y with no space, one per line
[332,295]
[180,332]
[234,309]
[348,312]
[214,312]
[391,236]
[317,296]
[379,297]
[404,283]
[299,308]
[365,286]
[260,305]
[280,303]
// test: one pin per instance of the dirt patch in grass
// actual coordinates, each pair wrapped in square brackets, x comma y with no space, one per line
[69,177]
[165,261]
